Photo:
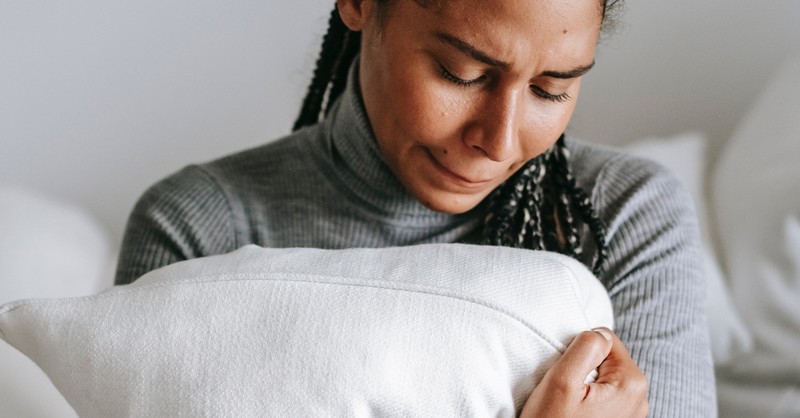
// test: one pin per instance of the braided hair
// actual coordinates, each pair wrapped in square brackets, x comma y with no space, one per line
[339,48]
[540,207]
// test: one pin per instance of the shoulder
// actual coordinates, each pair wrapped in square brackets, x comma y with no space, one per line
[224,185]
[605,170]
[190,185]
[621,184]
[648,213]
[285,155]
[230,176]
[199,210]
[169,224]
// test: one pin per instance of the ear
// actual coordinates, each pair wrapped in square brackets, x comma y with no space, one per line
[355,13]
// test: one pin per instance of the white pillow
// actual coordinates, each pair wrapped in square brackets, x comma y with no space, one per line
[685,156]
[48,248]
[756,196]
[444,329]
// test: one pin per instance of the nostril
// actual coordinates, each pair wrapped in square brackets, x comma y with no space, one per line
[480,150]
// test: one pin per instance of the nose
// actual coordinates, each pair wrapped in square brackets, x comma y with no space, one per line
[494,129]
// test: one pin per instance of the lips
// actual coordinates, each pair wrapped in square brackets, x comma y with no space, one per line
[454,177]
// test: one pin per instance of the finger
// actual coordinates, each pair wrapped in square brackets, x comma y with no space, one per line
[618,364]
[618,373]
[584,354]
[617,357]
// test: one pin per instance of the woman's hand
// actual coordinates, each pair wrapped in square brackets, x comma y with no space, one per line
[620,389]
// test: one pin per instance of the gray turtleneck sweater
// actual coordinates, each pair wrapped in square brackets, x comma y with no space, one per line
[327,186]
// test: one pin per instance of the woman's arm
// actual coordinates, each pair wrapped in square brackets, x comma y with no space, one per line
[654,275]
[182,217]
[655,278]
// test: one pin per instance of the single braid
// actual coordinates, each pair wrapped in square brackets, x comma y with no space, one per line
[330,59]
[350,49]
[535,226]
[550,192]
[564,204]
[584,205]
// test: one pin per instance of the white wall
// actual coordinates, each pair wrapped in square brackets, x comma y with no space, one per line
[685,65]
[99,99]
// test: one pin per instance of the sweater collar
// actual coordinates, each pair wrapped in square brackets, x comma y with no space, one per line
[361,170]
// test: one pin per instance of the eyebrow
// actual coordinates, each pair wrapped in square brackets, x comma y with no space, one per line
[573,73]
[470,50]
[481,56]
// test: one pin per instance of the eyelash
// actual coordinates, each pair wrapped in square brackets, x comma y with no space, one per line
[457,80]
[556,98]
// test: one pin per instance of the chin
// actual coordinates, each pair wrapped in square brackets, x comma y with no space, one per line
[451,203]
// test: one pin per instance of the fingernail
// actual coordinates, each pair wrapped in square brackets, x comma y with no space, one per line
[604,332]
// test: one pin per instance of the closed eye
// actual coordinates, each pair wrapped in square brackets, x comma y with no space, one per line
[538,91]
[447,75]
[556,98]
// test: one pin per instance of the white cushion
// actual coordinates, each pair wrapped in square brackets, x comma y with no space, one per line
[444,329]
[685,156]
[48,248]
[756,188]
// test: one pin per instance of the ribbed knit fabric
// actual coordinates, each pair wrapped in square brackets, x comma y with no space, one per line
[327,186]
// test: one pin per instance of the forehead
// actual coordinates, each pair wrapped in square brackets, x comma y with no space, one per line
[521,16]
[511,30]
[565,6]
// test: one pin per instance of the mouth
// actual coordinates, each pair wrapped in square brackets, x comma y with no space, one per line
[454,177]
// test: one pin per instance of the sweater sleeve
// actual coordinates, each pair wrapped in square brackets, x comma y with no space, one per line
[655,278]
[182,217]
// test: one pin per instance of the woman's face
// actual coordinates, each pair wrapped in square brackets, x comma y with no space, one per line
[462,93]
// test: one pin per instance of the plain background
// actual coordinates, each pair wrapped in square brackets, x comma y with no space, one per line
[99,99]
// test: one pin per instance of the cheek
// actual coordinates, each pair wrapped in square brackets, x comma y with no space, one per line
[427,113]
[543,126]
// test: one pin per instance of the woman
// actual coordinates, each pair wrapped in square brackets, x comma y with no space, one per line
[444,122]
